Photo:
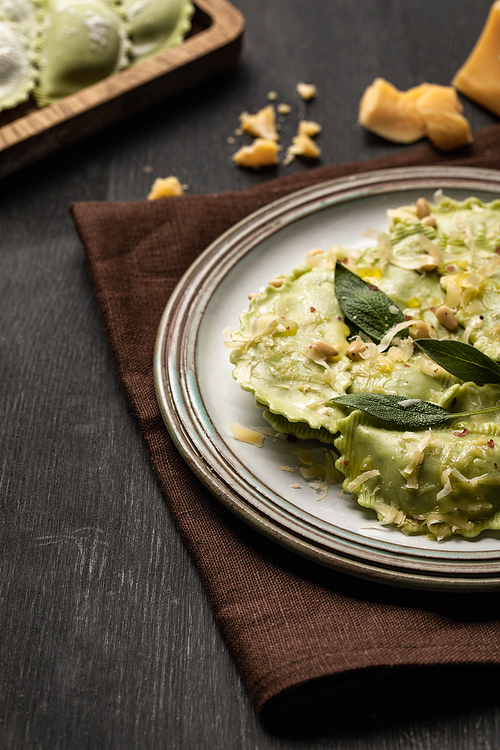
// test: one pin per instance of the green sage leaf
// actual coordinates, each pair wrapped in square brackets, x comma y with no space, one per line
[462,360]
[412,414]
[372,311]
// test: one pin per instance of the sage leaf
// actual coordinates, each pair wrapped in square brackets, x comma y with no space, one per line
[372,311]
[462,360]
[412,414]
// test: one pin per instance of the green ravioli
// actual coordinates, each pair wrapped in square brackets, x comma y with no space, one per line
[156,25]
[82,42]
[295,351]
[17,71]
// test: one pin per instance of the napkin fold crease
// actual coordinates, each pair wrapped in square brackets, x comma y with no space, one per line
[307,640]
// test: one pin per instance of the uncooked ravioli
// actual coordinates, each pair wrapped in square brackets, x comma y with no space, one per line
[83,41]
[17,72]
[156,25]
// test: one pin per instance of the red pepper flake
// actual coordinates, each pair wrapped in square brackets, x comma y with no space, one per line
[450,269]
[497,250]
[345,260]
[436,370]
[291,437]
[461,434]
[372,287]
[339,317]
[346,462]
[496,466]
[432,309]
[407,317]
[313,309]
[491,444]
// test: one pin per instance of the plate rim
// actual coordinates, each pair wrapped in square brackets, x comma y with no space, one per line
[180,402]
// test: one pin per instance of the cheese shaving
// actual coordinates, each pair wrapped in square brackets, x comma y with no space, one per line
[364,477]
[386,340]
[246,435]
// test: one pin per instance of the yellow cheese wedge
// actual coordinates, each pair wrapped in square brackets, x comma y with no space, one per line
[261,153]
[479,76]
[165,187]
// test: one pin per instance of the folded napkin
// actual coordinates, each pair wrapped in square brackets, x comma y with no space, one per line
[310,643]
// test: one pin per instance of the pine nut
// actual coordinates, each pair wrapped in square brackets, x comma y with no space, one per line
[430,265]
[354,350]
[446,317]
[252,295]
[325,348]
[429,221]
[419,330]
[276,283]
[423,208]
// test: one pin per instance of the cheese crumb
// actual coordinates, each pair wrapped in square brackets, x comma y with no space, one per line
[302,145]
[262,124]
[284,109]
[308,127]
[272,96]
[306,90]
[165,187]
[261,153]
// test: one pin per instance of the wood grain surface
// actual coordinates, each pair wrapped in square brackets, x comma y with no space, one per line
[106,638]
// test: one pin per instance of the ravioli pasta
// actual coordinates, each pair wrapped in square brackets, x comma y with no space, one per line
[295,352]
[52,48]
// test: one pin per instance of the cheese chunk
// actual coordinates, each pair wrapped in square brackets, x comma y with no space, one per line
[442,111]
[261,153]
[302,143]
[306,90]
[165,187]
[479,76]
[262,124]
[386,111]
[406,116]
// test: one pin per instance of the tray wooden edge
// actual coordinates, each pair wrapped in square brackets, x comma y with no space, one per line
[206,53]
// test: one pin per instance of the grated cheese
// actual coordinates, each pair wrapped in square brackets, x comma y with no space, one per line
[364,477]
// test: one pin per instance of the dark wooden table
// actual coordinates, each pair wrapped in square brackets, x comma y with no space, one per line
[107,639]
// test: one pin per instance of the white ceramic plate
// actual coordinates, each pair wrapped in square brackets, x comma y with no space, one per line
[199,398]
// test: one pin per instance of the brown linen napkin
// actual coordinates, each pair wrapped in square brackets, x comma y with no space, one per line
[303,637]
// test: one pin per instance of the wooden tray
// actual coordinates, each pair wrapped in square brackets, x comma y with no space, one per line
[213,45]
